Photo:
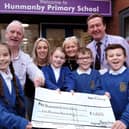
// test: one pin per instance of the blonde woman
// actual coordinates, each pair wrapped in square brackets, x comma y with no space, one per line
[40,52]
[40,55]
[71,46]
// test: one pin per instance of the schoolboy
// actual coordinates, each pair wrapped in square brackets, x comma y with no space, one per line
[116,82]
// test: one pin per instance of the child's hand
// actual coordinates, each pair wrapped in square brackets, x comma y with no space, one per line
[29,126]
[119,125]
[58,90]
[108,95]
[72,92]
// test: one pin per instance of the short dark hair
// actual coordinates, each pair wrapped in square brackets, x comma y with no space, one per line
[94,16]
[115,46]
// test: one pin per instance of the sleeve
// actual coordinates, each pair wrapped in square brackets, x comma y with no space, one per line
[98,87]
[10,120]
[125,116]
[32,70]
[48,82]
[74,80]
[68,80]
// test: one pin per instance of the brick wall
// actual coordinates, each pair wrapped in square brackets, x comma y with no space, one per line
[113,23]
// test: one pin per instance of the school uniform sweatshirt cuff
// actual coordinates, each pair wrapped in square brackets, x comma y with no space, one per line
[23,124]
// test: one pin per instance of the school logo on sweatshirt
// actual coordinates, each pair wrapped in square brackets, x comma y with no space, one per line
[92,84]
[122,86]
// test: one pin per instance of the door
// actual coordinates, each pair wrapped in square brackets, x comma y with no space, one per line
[56,33]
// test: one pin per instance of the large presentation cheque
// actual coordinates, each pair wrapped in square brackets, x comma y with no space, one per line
[67,111]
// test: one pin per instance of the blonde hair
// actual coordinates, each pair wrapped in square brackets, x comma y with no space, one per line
[57,48]
[34,53]
[73,39]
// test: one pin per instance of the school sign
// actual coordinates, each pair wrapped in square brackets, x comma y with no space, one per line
[56,7]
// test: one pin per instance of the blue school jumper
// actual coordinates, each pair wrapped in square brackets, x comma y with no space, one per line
[86,83]
[65,81]
[118,87]
[10,116]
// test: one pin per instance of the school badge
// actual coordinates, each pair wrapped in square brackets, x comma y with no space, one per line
[92,84]
[122,86]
